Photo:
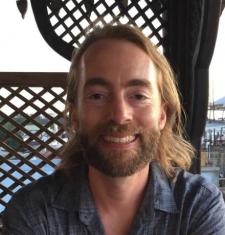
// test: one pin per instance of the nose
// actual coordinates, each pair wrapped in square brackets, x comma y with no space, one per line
[120,111]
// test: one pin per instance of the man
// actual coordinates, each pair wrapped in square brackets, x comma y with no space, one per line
[123,170]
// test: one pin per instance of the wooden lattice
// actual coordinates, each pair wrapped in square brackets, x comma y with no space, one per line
[65,23]
[31,131]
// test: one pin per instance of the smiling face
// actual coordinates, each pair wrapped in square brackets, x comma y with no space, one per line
[119,113]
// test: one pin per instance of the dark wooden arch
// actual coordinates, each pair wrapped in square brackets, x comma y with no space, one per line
[188,38]
[45,27]
[47,10]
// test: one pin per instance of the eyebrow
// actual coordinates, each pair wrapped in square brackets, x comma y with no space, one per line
[96,81]
[132,83]
[140,82]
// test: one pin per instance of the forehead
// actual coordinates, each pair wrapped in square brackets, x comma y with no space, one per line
[114,48]
[117,59]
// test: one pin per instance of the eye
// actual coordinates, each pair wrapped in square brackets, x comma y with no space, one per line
[96,96]
[139,97]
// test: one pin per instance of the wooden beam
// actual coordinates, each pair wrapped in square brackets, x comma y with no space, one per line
[222,6]
[33,79]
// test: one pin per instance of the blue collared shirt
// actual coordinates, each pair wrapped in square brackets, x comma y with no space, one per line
[55,205]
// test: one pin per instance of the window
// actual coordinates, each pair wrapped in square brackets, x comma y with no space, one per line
[213,140]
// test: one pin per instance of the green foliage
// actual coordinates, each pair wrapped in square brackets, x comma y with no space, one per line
[7,129]
[11,141]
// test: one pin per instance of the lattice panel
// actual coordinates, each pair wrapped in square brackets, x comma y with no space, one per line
[70,20]
[75,18]
[31,134]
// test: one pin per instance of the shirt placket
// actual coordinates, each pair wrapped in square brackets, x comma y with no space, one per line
[91,222]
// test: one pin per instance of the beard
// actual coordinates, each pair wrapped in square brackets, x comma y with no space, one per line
[118,162]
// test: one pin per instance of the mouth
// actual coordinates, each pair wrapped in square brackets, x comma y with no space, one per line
[120,140]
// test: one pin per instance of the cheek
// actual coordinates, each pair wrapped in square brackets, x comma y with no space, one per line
[91,118]
[148,118]
[145,117]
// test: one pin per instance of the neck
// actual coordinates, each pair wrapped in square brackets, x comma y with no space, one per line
[118,199]
[118,192]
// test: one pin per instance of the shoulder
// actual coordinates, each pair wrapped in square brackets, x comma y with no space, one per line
[27,208]
[194,188]
[187,183]
[200,203]
[44,185]
[194,194]
[33,207]
[39,192]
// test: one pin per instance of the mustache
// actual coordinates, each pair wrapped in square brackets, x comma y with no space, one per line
[110,128]
[106,129]
[80,142]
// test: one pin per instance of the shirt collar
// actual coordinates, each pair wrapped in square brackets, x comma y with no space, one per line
[75,195]
[163,190]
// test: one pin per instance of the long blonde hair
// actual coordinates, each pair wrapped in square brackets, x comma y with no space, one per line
[174,150]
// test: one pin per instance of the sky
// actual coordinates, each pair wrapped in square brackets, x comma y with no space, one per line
[22,48]
[217,66]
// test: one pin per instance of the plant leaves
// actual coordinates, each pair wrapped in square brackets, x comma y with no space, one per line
[55,5]
[89,6]
[22,6]
[122,4]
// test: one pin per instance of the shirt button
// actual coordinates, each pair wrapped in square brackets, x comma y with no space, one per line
[85,219]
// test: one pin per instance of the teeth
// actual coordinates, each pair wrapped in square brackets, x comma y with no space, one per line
[123,140]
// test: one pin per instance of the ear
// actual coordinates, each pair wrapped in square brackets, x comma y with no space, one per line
[163,117]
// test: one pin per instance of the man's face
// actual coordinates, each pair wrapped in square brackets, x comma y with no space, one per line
[119,113]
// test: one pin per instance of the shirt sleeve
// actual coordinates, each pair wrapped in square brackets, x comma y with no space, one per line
[23,216]
[209,216]
[15,221]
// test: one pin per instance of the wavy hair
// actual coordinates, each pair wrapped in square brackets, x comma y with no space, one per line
[174,150]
